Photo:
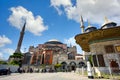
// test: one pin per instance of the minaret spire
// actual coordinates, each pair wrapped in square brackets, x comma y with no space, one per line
[106,19]
[20,39]
[82,24]
[89,25]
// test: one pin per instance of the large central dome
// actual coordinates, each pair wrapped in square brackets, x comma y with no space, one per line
[53,41]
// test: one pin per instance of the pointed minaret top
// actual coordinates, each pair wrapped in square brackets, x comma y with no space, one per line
[106,19]
[82,24]
[81,21]
[89,25]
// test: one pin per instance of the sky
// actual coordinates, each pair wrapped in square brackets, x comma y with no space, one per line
[50,19]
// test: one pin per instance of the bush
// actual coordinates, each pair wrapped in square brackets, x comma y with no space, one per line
[57,65]
[14,62]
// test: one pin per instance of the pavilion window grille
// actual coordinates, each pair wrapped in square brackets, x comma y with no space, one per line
[101,60]
[98,60]
[109,49]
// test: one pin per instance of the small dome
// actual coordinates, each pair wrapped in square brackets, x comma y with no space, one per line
[90,28]
[108,24]
[53,41]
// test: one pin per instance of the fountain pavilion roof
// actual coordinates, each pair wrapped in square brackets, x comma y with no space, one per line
[85,39]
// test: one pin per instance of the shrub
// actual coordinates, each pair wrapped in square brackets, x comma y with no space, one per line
[57,65]
[14,62]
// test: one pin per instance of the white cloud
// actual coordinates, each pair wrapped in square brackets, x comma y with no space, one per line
[58,3]
[1,56]
[34,24]
[93,10]
[3,50]
[8,51]
[4,40]
[71,41]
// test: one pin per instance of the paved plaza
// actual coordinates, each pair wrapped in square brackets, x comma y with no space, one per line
[46,76]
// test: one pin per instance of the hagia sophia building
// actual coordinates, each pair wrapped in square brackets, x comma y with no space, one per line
[53,52]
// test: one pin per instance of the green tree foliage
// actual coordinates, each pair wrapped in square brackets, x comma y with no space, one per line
[17,55]
[14,62]
[3,62]
[90,58]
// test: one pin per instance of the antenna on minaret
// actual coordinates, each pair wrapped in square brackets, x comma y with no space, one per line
[82,24]
[20,39]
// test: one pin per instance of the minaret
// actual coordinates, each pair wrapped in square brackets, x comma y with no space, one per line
[20,39]
[82,25]
[82,31]
[88,24]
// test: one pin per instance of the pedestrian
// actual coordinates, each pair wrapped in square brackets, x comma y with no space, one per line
[31,70]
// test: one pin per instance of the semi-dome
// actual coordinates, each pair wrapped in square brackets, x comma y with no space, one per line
[53,41]
[108,24]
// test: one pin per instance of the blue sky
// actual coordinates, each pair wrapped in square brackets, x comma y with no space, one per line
[50,19]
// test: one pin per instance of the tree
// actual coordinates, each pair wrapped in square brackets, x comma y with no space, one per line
[17,59]
[14,62]
[3,62]
[17,55]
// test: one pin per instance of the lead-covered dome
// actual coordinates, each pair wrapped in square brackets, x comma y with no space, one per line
[53,41]
[90,28]
[108,24]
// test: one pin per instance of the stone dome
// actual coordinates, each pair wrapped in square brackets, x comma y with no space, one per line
[108,24]
[53,41]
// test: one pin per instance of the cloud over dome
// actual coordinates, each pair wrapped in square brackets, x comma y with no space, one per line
[34,24]
[71,42]
[93,10]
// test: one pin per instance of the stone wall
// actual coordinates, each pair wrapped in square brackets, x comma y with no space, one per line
[99,48]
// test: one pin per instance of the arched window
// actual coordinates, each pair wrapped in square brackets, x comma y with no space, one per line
[71,56]
[81,64]
[47,58]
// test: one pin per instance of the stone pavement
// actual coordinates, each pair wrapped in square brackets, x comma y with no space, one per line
[46,76]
